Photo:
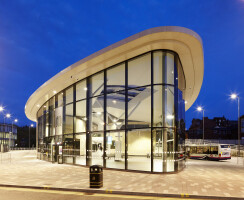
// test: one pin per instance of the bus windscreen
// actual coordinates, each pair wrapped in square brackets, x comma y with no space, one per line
[224,146]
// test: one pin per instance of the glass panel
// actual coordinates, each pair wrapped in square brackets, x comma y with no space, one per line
[59,121]
[158,151]
[115,111]
[139,71]
[115,150]
[116,78]
[170,150]
[81,90]
[80,116]
[157,67]
[60,99]
[40,125]
[163,150]
[68,152]
[96,121]
[59,139]
[139,107]
[46,118]
[163,107]
[169,70]
[181,76]
[80,149]
[158,108]
[39,113]
[52,116]
[97,149]
[139,149]
[170,114]
[97,84]
[68,120]
[69,95]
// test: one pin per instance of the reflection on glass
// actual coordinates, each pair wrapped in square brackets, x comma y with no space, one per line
[80,149]
[46,119]
[163,108]
[139,149]
[52,116]
[97,149]
[81,90]
[163,150]
[158,151]
[139,71]
[170,150]
[81,116]
[115,111]
[169,69]
[139,107]
[68,153]
[60,99]
[97,84]
[116,78]
[87,146]
[115,150]
[68,121]
[157,67]
[170,114]
[69,95]
[96,122]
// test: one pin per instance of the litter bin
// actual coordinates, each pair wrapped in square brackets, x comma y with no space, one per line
[96,176]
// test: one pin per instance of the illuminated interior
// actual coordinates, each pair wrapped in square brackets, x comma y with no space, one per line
[129,116]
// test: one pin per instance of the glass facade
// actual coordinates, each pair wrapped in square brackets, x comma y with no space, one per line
[129,116]
[8,134]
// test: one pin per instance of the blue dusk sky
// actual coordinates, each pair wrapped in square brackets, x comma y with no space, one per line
[39,38]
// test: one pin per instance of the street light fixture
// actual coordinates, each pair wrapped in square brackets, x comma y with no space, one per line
[200,109]
[29,133]
[7,116]
[235,96]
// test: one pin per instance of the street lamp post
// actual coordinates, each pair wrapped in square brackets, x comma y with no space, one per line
[12,131]
[235,96]
[199,108]
[29,134]
[7,116]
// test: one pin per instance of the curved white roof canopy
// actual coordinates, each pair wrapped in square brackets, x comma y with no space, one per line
[185,42]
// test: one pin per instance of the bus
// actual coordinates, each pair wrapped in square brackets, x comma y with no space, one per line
[209,151]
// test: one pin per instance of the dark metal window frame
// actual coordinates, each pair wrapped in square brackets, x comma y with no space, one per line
[89,97]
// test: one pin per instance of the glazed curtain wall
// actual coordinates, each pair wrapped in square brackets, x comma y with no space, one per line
[7,130]
[129,116]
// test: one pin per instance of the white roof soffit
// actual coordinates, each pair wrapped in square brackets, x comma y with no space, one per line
[185,42]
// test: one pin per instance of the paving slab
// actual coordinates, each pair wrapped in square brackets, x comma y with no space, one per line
[199,178]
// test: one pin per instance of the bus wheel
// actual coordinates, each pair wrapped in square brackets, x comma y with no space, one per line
[206,158]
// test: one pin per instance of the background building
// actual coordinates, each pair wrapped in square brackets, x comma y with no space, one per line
[24,132]
[124,106]
[242,127]
[8,135]
[217,128]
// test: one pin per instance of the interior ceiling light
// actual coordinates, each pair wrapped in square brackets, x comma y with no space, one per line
[170,116]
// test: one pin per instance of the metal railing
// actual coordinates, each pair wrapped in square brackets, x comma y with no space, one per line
[22,148]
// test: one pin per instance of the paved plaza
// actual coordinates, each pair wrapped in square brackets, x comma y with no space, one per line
[200,177]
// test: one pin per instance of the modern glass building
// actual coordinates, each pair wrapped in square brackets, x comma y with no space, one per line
[124,106]
[8,136]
